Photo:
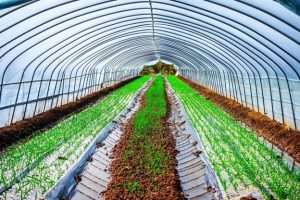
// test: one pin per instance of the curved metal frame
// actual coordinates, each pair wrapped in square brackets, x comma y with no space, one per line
[215,49]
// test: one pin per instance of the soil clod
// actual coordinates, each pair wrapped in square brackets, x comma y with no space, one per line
[249,197]
[100,144]
[197,153]
[77,178]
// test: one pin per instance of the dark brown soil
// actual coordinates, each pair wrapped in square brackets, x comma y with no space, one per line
[278,134]
[167,181]
[249,197]
[26,128]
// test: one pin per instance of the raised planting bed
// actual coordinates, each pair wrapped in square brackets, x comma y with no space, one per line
[23,130]
[28,170]
[280,135]
[144,165]
[88,177]
[242,162]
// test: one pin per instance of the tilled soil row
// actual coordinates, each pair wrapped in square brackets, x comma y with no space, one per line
[26,128]
[278,134]
[131,181]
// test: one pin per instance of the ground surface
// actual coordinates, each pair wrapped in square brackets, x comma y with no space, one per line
[243,162]
[155,156]
[278,134]
[32,167]
[144,165]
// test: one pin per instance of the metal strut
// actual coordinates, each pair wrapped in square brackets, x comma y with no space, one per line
[153,32]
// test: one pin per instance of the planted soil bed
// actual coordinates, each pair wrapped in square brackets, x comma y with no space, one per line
[144,165]
[46,157]
[26,128]
[278,134]
[244,164]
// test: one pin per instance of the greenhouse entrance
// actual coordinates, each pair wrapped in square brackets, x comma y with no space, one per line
[149,99]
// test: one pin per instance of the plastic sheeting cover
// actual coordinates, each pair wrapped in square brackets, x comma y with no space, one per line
[54,52]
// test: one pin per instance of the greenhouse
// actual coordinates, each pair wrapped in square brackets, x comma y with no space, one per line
[154,99]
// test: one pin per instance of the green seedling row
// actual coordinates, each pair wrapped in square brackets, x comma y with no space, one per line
[148,122]
[239,159]
[33,167]
[145,150]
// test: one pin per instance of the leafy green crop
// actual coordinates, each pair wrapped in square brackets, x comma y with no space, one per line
[144,150]
[236,154]
[40,162]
